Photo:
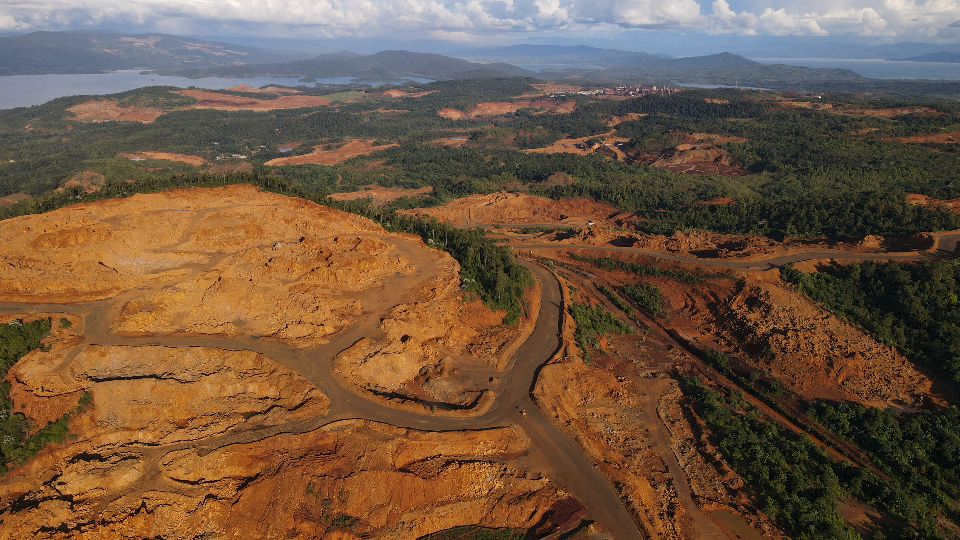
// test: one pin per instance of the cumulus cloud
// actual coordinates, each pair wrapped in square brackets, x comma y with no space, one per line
[465,19]
[777,22]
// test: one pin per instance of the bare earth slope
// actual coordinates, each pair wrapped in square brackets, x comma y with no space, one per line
[518,209]
[202,327]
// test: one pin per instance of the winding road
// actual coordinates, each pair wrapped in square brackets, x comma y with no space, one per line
[565,461]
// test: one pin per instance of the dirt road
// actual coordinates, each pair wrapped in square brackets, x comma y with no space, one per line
[564,461]
[948,243]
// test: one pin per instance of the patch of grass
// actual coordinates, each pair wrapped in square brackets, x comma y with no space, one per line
[648,297]
[343,522]
[615,299]
[593,323]
[642,270]
[349,95]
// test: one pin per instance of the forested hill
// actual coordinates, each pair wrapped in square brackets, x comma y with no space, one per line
[614,65]
[949,57]
[384,65]
[95,52]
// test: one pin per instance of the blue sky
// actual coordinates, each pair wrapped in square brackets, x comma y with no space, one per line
[502,21]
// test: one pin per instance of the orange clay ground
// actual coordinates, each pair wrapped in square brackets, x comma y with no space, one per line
[604,144]
[320,156]
[381,195]
[195,161]
[108,110]
[501,108]
[946,137]
[394,93]
[701,153]
[890,112]
[14,198]
[519,209]
[923,200]
[226,102]
[626,408]
[202,324]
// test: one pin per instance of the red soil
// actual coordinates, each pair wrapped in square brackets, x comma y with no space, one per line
[700,154]
[195,161]
[501,108]
[946,137]
[923,200]
[13,199]
[319,156]
[225,102]
[108,110]
[401,94]
[381,195]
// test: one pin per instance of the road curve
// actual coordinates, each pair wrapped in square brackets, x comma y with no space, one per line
[565,461]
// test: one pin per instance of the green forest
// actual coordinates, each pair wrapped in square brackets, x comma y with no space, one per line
[802,489]
[810,173]
[17,444]
[920,453]
[913,307]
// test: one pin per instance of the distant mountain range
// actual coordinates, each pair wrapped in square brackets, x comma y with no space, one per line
[611,65]
[560,56]
[943,56]
[93,52]
[96,52]
[550,62]
[381,66]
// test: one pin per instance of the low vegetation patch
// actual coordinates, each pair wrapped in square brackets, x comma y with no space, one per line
[16,444]
[593,323]
[615,299]
[642,270]
[476,533]
[647,297]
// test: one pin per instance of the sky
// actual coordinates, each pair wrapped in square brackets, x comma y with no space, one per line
[500,21]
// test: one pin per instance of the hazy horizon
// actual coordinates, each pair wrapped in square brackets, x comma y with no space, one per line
[818,28]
